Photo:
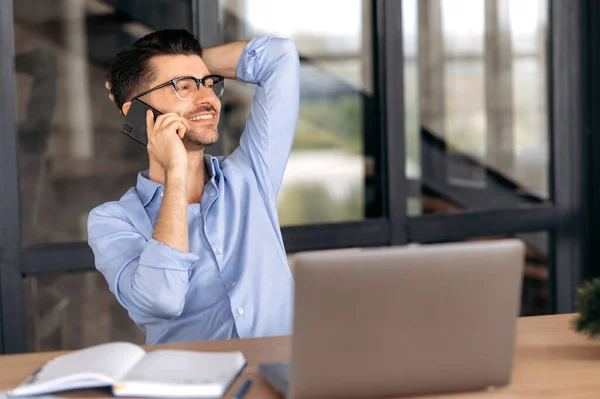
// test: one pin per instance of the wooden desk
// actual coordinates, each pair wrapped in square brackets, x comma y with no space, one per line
[551,362]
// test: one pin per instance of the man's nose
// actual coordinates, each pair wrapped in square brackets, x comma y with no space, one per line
[205,95]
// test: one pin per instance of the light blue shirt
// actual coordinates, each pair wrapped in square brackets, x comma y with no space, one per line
[235,281]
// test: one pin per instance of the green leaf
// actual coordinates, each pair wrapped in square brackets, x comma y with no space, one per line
[587,321]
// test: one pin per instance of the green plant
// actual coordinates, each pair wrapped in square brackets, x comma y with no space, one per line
[588,306]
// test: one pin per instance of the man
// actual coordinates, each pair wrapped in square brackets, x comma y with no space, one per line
[194,251]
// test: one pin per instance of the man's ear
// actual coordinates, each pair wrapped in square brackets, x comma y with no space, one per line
[125,107]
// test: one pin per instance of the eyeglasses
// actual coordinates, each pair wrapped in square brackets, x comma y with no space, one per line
[187,87]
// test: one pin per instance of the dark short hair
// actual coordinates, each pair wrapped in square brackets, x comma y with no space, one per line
[130,70]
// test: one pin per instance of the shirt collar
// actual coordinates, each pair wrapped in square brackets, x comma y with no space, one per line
[213,166]
[148,189]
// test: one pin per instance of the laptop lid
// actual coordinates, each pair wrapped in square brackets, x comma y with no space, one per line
[405,320]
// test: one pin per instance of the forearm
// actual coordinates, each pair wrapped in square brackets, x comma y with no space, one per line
[172,225]
[223,59]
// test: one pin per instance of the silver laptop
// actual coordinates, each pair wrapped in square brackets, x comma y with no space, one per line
[401,321]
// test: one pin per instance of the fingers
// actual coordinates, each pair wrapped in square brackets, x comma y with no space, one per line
[181,129]
[170,121]
[165,119]
[108,87]
[177,126]
[149,122]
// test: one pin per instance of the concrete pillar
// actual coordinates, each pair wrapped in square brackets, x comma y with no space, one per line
[79,113]
[431,66]
[500,141]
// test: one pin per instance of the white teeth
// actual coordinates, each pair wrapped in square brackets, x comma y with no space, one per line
[199,117]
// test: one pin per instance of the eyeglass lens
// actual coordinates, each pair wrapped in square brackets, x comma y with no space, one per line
[187,89]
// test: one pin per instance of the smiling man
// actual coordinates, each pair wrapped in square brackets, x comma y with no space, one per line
[194,251]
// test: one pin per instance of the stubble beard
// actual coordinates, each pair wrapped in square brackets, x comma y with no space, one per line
[207,137]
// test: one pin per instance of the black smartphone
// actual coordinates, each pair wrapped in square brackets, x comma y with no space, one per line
[134,124]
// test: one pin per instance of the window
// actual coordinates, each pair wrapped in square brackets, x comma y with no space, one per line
[328,174]
[462,184]
[72,154]
[477,115]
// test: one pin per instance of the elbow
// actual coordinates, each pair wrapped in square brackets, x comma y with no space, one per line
[164,304]
[287,58]
[159,301]
[167,309]
[288,48]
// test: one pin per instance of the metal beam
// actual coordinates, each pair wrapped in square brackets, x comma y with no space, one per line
[368,233]
[469,224]
[77,257]
[12,300]
[390,92]
[206,21]
[207,27]
[57,258]
[158,14]
[592,84]
[373,133]
[569,155]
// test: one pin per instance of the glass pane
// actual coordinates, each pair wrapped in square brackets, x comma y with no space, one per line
[535,298]
[75,311]
[72,154]
[476,104]
[327,178]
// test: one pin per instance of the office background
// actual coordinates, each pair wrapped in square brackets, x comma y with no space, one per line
[421,121]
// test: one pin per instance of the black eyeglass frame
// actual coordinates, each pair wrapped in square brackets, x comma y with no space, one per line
[173,83]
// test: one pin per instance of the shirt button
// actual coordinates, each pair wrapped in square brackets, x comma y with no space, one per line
[162,194]
[232,284]
[240,311]
[220,250]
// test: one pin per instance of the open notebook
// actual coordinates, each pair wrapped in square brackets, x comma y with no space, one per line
[130,371]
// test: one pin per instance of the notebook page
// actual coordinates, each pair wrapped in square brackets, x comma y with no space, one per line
[177,367]
[112,360]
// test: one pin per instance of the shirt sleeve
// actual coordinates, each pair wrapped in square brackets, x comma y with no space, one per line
[272,64]
[149,278]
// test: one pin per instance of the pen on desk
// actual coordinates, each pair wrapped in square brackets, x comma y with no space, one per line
[242,391]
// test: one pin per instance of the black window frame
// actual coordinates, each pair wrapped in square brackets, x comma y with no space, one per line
[566,218]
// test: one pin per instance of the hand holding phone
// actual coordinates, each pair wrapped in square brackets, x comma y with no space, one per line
[165,145]
[160,133]
[134,124]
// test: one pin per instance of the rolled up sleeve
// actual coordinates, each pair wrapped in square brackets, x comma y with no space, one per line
[148,278]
